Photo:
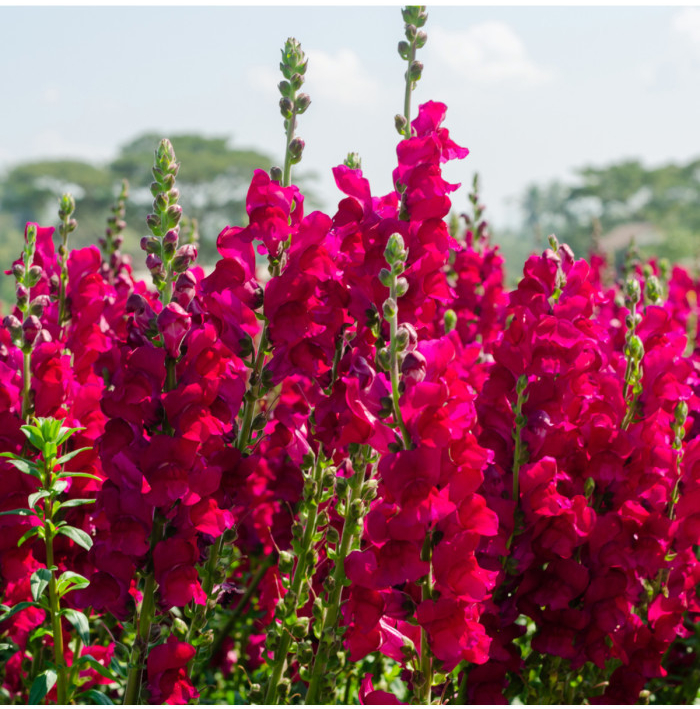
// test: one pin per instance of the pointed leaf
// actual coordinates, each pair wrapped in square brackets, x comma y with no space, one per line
[24,466]
[70,581]
[90,661]
[65,474]
[39,582]
[29,534]
[77,502]
[20,511]
[94,696]
[80,537]
[40,632]
[69,456]
[34,435]
[80,622]
[36,496]
[16,609]
[41,686]
[65,433]
[60,486]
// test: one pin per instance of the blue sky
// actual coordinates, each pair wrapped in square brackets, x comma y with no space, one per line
[532,92]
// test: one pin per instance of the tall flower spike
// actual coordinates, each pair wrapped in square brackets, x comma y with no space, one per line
[164,258]
[113,239]
[415,17]
[66,207]
[292,104]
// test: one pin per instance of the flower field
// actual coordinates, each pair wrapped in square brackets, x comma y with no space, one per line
[346,464]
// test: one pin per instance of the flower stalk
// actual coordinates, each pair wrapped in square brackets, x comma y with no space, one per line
[66,207]
[414,17]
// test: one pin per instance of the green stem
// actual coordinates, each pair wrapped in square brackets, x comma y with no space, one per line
[332,610]
[394,363]
[299,575]
[291,124]
[407,93]
[75,667]
[27,383]
[142,624]
[240,606]
[424,691]
[54,602]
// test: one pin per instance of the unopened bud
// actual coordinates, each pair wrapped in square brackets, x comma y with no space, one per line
[174,214]
[450,320]
[633,291]
[18,271]
[404,49]
[184,257]
[401,286]
[301,103]
[681,412]
[414,366]
[415,71]
[13,325]
[395,249]
[389,308]
[31,327]
[296,148]
[286,107]
[400,123]
[276,174]
[353,161]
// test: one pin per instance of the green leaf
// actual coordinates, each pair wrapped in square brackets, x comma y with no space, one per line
[65,433]
[90,661]
[24,466]
[59,486]
[80,622]
[69,456]
[77,502]
[29,534]
[35,436]
[94,696]
[39,582]
[40,632]
[36,496]
[70,581]
[21,511]
[41,686]
[81,538]
[16,609]
[65,474]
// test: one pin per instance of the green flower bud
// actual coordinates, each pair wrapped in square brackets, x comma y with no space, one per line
[635,348]
[286,107]
[18,271]
[31,234]
[404,49]
[296,148]
[259,422]
[66,206]
[553,242]
[353,161]
[589,487]
[389,308]
[395,249]
[415,71]
[302,103]
[401,287]
[521,384]
[276,174]
[300,629]
[285,88]
[632,290]
[681,412]
[450,320]
[400,123]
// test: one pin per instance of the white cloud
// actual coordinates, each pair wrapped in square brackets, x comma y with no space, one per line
[486,53]
[338,77]
[686,22]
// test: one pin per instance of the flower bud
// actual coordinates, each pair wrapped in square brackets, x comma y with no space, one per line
[401,287]
[286,107]
[31,327]
[22,296]
[14,326]
[450,320]
[179,628]
[43,336]
[353,161]
[414,366]
[389,308]
[332,536]
[421,39]
[296,148]
[635,348]
[400,123]
[286,562]
[285,88]
[384,359]
[404,49]
[34,275]
[154,264]
[681,412]
[301,103]
[153,223]
[18,271]
[633,291]
[160,203]
[66,206]
[36,307]
[165,155]
[395,249]
[276,174]
[553,242]
[173,323]
[184,257]
[521,384]
[185,288]
[174,214]
[415,71]
[31,232]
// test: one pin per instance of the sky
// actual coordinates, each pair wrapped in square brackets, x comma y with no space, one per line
[534,93]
